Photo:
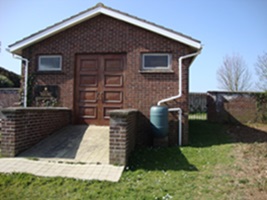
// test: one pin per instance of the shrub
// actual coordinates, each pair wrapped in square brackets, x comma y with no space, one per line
[5,82]
[13,77]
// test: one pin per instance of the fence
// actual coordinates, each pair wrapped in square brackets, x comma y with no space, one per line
[197,106]
[9,97]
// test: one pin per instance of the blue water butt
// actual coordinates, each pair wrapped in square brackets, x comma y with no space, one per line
[159,121]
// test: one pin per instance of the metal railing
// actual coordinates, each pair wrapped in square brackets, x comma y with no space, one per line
[197,106]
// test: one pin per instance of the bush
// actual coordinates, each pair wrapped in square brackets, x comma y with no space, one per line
[13,77]
[5,82]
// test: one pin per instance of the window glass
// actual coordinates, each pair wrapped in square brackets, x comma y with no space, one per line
[49,63]
[156,61]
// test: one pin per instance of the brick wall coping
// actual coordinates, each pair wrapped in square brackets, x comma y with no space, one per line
[15,109]
[9,89]
[229,92]
[122,112]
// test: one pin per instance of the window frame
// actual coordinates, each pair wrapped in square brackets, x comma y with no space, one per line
[169,67]
[49,70]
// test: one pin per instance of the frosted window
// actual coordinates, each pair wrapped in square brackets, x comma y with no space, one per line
[49,63]
[156,61]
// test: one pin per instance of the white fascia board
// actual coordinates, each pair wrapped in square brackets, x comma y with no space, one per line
[91,13]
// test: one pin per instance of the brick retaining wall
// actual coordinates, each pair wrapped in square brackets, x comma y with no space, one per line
[24,127]
[233,107]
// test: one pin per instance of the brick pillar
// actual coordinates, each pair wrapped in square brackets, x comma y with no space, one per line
[8,135]
[122,135]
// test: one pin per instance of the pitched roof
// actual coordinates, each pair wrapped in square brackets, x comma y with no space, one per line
[18,46]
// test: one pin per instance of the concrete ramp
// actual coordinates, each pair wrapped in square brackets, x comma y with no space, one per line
[80,143]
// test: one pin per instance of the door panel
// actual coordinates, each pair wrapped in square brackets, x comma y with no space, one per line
[88,112]
[99,87]
[88,80]
[113,80]
[89,65]
[112,97]
[113,65]
[88,96]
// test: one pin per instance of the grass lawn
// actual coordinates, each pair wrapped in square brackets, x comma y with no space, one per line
[212,167]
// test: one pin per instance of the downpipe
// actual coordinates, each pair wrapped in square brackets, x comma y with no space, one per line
[179,95]
[180,112]
[26,61]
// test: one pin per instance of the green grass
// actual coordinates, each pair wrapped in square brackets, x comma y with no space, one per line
[198,171]
[198,116]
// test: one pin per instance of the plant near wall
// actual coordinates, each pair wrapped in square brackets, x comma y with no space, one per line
[51,102]
[46,96]
[30,86]
[261,100]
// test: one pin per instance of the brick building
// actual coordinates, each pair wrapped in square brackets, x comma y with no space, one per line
[103,59]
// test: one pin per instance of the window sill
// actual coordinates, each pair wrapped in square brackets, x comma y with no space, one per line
[50,72]
[156,71]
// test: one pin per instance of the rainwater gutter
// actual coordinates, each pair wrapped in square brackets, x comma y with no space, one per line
[179,95]
[26,61]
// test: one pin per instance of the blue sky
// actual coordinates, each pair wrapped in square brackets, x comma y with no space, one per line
[224,27]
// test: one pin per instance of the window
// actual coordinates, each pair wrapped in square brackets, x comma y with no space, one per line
[156,61]
[50,63]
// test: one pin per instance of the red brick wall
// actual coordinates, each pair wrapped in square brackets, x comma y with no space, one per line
[9,97]
[104,34]
[122,138]
[24,127]
[230,107]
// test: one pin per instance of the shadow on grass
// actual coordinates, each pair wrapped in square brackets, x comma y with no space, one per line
[204,134]
[160,159]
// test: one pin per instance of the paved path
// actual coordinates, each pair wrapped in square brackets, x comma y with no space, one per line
[53,169]
[80,152]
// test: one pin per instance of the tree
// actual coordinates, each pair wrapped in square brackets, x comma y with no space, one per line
[233,75]
[261,70]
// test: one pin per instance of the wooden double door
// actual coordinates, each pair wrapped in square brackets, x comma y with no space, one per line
[98,87]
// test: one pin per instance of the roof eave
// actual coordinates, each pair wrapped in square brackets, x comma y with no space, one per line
[20,45]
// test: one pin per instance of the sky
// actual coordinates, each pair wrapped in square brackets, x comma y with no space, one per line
[224,27]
